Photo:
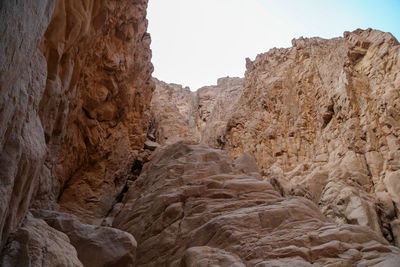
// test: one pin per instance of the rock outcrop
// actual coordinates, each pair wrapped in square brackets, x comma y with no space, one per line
[23,75]
[322,119]
[39,245]
[172,114]
[99,75]
[179,114]
[75,90]
[96,245]
[193,206]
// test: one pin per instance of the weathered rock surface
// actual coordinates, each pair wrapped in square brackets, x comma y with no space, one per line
[178,114]
[216,105]
[96,245]
[172,114]
[192,206]
[322,118]
[38,245]
[74,104]
[102,63]
[22,83]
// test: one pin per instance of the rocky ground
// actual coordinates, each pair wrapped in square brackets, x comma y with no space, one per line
[297,163]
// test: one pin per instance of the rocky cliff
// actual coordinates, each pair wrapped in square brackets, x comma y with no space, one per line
[322,120]
[75,91]
[296,164]
[179,114]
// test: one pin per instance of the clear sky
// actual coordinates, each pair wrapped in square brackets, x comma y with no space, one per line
[194,42]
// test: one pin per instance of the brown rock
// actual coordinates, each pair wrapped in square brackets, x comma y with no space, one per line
[104,67]
[96,245]
[191,207]
[172,114]
[73,121]
[38,245]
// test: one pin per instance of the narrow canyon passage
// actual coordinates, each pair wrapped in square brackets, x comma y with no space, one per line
[102,164]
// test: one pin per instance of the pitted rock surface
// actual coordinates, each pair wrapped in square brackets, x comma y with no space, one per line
[192,206]
[321,118]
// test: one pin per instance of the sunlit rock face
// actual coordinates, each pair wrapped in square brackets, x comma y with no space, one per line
[322,120]
[173,108]
[75,94]
[296,164]
[179,114]
[193,206]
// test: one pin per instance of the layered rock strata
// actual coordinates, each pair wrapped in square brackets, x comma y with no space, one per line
[193,206]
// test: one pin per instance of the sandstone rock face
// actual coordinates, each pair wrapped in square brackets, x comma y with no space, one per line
[322,119]
[22,82]
[98,91]
[178,114]
[216,105]
[193,206]
[173,114]
[96,245]
[74,104]
[38,245]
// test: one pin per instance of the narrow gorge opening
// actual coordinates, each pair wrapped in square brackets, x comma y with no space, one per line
[292,159]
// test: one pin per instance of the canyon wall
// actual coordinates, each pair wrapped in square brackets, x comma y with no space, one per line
[179,114]
[23,72]
[296,164]
[75,94]
[322,120]
[106,68]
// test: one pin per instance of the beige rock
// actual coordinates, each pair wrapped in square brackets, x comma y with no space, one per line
[172,114]
[38,245]
[330,104]
[192,206]
[179,114]
[319,117]
[96,245]
[207,256]
[392,182]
